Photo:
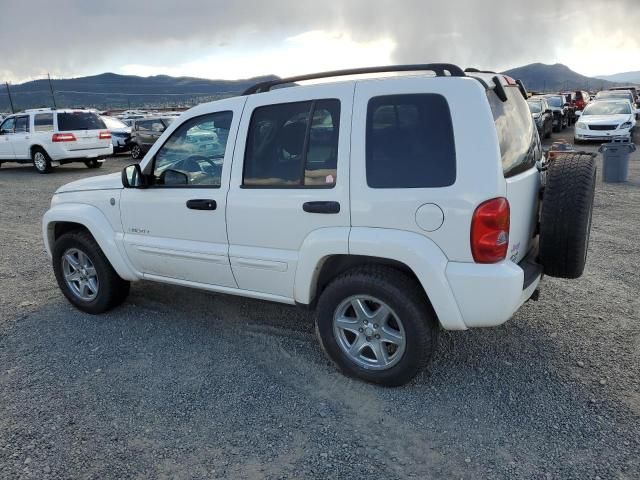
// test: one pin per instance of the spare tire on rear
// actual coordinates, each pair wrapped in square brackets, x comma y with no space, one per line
[565,217]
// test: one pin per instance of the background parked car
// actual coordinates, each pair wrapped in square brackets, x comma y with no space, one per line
[559,107]
[603,120]
[145,132]
[542,115]
[120,134]
[581,100]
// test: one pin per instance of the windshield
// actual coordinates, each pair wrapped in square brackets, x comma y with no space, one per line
[607,108]
[555,101]
[535,107]
[113,123]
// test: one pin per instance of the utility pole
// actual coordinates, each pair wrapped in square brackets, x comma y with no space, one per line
[53,96]
[10,99]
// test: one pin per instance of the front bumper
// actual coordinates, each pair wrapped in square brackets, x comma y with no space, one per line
[602,135]
[489,295]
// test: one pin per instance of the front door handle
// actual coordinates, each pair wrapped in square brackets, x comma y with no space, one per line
[321,207]
[202,204]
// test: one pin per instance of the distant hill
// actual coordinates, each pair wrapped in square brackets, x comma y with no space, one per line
[624,77]
[110,90]
[557,77]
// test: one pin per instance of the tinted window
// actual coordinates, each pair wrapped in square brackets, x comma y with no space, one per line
[7,125]
[43,122]
[68,121]
[293,145]
[22,124]
[519,142]
[194,153]
[410,142]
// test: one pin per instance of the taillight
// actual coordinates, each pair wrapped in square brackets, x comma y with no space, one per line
[490,231]
[104,135]
[63,137]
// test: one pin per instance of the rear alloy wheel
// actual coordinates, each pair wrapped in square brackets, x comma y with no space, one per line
[41,161]
[376,324]
[136,151]
[93,163]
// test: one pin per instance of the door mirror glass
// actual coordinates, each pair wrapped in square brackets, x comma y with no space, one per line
[173,177]
[132,177]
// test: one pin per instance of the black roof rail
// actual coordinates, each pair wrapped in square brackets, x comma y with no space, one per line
[475,70]
[499,89]
[440,70]
[523,89]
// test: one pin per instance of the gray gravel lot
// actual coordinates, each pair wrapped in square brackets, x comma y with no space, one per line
[184,384]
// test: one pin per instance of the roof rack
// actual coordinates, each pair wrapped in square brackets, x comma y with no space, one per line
[475,70]
[42,109]
[440,69]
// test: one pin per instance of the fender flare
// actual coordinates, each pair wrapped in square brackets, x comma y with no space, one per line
[93,220]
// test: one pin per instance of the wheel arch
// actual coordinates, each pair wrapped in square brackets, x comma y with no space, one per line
[70,217]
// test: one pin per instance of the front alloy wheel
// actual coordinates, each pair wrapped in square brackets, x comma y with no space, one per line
[80,274]
[136,151]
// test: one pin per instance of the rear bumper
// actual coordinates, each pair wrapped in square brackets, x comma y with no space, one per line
[62,155]
[489,295]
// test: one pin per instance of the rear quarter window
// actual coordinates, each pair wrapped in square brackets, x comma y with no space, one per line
[410,142]
[520,146]
[69,121]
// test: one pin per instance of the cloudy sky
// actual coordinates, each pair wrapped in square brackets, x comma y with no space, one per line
[243,38]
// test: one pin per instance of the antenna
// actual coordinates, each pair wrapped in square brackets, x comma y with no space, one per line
[10,99]
[53,96]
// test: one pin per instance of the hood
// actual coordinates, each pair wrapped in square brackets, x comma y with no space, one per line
[126,130]
[605,119]
[103,182]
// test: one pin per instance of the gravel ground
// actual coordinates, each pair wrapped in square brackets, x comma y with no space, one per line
[185,384]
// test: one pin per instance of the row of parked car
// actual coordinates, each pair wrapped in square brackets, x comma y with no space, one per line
[608,114]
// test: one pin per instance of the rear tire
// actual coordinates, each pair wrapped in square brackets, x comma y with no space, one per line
[409,329]
[93,163]
[565,219]
[106,289]
[41,161]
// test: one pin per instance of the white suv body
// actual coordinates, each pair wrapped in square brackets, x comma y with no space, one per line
[246,231]
[49,138]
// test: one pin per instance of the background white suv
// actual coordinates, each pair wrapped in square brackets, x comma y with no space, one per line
[49,138]
[394,206]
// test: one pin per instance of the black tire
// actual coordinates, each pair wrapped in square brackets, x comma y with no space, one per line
[93,163]
[136,151]
[408,302]
[565,218]
[112,290]
[41,160]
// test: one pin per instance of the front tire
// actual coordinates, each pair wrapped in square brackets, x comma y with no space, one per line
[376,324]
[84,274]
[41,161]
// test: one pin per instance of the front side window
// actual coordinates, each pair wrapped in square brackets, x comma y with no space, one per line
[410,142]
[22,125]
[194,154]
[156,126]
[143,126]
[293,145]
[8,125]
[43,122]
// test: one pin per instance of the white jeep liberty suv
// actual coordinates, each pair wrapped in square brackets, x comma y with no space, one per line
[394,206]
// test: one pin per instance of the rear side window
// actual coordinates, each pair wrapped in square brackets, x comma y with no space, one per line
[410,142]
[519,142]
[293,145]
[68,121]
[43,122]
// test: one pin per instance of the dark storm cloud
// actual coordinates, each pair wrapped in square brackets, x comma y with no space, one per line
[69,36]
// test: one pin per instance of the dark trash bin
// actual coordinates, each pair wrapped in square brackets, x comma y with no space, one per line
[615,160]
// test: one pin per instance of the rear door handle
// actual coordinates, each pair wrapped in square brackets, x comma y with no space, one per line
[321,207]
[202,204]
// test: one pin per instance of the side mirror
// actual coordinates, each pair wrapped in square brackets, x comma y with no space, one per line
[548,111]
[578,113]
[174,177]
[567,104]
[132,177]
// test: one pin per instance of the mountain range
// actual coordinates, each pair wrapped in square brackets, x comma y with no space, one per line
[110,90]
